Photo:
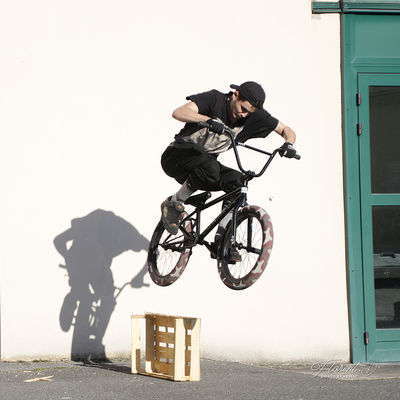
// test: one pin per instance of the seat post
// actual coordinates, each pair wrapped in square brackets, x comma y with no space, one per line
[197,223]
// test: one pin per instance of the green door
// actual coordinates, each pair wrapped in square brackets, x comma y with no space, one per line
[379,149]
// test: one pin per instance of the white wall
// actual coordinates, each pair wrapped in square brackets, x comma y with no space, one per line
[86,93]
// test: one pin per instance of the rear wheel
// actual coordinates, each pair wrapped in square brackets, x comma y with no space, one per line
[168,254]
[254,239]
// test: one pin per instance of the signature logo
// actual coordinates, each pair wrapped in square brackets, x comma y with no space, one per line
[342,371]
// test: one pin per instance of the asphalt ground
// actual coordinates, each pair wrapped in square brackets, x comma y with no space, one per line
[67,380]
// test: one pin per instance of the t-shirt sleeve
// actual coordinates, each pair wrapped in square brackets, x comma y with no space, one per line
[258,125]
[205,101]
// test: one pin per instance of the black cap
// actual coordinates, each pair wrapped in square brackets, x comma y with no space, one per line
[251,91]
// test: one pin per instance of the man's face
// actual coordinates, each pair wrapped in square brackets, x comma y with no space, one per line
[240,108]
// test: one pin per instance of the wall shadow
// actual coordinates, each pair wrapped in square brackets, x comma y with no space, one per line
[89,247]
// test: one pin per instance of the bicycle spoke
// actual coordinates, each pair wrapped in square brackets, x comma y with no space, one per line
[173,239]
[168,254]
[249,249]
[249,239]
[176,244]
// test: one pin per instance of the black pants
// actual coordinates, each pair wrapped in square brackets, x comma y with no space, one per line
[189,161]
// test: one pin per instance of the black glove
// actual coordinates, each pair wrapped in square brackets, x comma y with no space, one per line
[287,150]
[216,126]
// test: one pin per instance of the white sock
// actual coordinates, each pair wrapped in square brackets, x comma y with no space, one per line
[183,193]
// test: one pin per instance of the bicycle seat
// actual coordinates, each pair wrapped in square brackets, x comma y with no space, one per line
[198,199]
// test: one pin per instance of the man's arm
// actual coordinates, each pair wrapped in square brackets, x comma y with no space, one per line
[286,132]
[189,112]
[60,242]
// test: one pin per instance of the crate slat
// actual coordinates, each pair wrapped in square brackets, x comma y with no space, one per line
[164,352]
[149,344]
[179,360]
[165,337]
[195,351]
[163,368]
[164,320]
[136,344]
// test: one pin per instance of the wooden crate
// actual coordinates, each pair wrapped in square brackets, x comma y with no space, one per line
[172,347]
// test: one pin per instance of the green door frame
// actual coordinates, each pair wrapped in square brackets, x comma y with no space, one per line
[383,344]
[367,48]
[367,31]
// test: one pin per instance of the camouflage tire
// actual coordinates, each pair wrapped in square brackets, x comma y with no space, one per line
[167,256]
[254,238]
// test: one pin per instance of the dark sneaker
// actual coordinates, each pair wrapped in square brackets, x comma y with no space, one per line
[170,213]
[233,256]
[213,250]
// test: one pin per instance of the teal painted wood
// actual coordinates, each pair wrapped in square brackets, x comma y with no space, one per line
[325,7]
[371,6]
[368,46]
[386,352]
[380,2]
[352,195]
[387,335]
[356,6]
[385,199]
[377,348]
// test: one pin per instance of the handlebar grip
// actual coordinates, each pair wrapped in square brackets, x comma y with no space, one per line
[204,124]
[297,156]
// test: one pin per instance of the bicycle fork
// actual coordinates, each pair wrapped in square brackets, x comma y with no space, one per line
[239,204]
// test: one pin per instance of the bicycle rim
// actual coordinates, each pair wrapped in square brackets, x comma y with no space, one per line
[254,238]
[168,255]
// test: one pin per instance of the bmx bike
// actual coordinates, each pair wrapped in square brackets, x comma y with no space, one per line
[249,231]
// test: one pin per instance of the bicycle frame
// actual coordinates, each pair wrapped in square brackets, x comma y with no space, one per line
[197,237]
[238,195]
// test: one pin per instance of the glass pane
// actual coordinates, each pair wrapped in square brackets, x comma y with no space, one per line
[386,237]
[384,108]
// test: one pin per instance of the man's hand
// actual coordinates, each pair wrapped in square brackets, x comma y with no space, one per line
[287,150]
[216,126]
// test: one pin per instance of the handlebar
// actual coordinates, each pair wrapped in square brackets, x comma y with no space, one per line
[250,174]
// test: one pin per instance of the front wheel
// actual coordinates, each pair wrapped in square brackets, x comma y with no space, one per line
[168,254]
[254,239]
[67,311]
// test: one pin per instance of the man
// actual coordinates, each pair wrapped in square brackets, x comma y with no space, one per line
[192,158]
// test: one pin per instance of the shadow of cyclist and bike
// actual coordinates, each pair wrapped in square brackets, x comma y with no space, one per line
[89,247]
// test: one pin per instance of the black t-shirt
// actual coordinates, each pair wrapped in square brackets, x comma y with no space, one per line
[213,103]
